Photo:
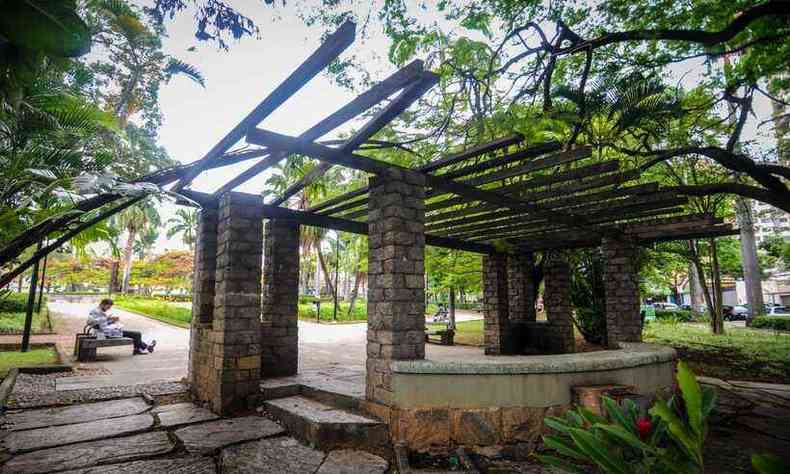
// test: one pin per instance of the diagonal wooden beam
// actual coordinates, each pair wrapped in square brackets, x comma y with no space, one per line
[426,80]
[363,163]
[531,152]
[335,44]
[449,160]
[403,77]
[334,223]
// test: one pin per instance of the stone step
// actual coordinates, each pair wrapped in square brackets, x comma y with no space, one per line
[326,427]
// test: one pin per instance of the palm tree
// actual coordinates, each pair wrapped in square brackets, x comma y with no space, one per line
[184,223]
[135,221]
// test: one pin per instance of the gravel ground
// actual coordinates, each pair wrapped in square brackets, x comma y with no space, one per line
[34,390]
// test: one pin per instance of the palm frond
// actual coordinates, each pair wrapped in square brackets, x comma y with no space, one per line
[176,66]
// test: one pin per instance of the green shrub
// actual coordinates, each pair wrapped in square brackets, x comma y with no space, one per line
[13,303]
[307,299]
[591,322]
[670,440]
[778,323]
[679,315]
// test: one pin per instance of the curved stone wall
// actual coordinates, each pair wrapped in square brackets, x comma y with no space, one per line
[500,400]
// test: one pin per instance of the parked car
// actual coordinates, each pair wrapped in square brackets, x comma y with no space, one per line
[735,313]
[666,306]
[777,311]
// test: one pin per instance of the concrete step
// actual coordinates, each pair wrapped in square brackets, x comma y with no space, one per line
[326,427]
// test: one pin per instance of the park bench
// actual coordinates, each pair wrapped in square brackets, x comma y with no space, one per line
[446,334]
[86,343]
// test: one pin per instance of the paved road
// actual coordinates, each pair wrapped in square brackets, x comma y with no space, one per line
[167,363]
[321,346]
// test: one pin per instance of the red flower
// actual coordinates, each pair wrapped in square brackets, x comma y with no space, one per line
[644,426]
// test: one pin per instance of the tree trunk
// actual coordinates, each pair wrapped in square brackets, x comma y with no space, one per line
[752,275]
[354,292]
[451,311]
[327,277]
[31,300]
[115,270]
[717,321]
[695,289]
[128,255]
[696,260]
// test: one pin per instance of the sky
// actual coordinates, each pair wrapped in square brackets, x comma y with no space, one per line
[196,118]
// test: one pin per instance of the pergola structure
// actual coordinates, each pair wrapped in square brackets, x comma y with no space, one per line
[530,197]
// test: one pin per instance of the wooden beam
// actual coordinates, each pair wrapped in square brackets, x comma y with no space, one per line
[531,152]
[400,79]
[370,165]
[478,150]
[426,80]
[541,181]
[531,166]
[335,44]
[588,198]
[607,215]
[334,223]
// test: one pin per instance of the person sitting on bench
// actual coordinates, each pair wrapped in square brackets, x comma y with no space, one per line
[107,325]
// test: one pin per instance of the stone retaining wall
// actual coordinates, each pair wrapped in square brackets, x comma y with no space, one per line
[440,405]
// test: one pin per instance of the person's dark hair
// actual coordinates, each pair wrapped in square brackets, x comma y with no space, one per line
[106,301]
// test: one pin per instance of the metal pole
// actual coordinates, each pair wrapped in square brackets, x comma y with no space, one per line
[31,301]
[41,285]
[337,266]
[452,308]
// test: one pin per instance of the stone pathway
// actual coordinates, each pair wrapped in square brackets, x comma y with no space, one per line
[131,436]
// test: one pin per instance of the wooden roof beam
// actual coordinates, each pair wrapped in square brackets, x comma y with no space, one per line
[409,74]
[335,44]
[408,96]
[530,152]
[334,223]
[363,163]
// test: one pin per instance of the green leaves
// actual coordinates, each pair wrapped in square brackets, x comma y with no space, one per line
[50,26]
[769,464]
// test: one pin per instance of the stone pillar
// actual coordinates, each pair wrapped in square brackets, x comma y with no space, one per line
[205,265]
[279,332]
[496,326]
[521,298]
[557,301]
[236,328]
[621,283]
[521,287]
[396,277]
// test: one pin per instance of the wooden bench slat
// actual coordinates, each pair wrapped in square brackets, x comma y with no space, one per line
[109,342]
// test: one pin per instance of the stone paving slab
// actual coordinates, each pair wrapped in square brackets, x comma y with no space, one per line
[282,455]
[30,419]
[347,461]
[760,385]
[179,414]
[208,437]
[39,438]
[93,453]
[193,465]
[317,412]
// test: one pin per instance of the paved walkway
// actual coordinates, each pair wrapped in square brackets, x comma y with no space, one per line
[130,435]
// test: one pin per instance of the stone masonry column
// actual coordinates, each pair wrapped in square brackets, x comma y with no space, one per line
[496,327]
[203,301]
[521,298]
[279,332]
[236,329]
[521,286]
[621,283]
[557,301]
[396,277]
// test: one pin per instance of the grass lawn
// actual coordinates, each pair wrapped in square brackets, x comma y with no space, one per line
[466,332]
[14,322]
[307,311]
[164,311]
[740,354]
[8,360]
